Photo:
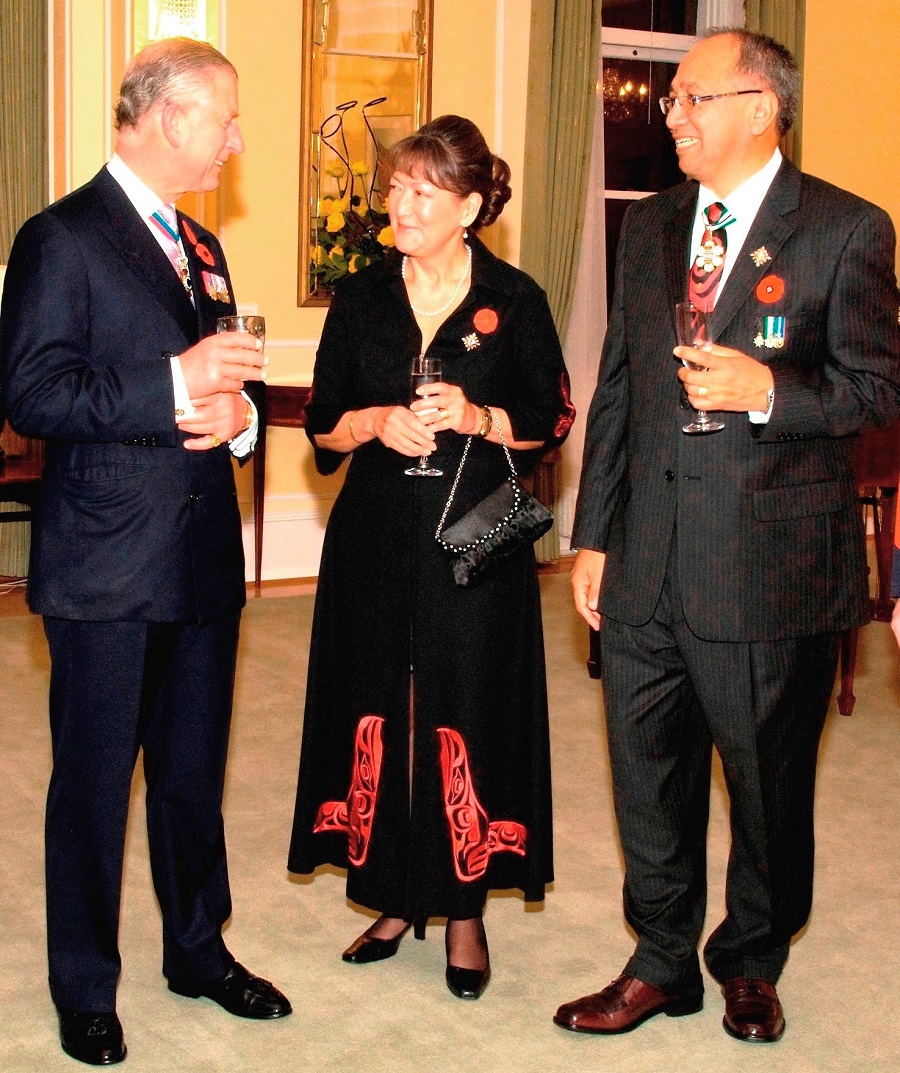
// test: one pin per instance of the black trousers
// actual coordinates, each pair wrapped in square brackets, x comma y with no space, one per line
[116,688]
[671,697]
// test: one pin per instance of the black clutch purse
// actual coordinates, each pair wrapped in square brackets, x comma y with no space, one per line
[501,524]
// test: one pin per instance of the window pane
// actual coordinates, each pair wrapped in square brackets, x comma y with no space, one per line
[662,16]
[638,150]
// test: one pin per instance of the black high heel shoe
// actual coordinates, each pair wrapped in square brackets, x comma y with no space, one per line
[368,948]
[468,983]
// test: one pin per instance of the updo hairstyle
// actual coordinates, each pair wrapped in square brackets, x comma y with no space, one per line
[451,153]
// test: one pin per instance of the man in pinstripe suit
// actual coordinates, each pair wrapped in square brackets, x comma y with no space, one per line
[730,561]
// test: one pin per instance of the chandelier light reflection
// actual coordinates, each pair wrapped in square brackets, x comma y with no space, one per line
[622,98]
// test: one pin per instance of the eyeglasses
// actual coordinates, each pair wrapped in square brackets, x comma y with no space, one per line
[686,100]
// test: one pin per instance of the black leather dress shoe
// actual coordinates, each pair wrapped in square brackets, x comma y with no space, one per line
[752,1011]
[368,948]
[94,1038]
[467,983]
[241,993]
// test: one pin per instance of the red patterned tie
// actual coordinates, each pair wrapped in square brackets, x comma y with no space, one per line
[709,261]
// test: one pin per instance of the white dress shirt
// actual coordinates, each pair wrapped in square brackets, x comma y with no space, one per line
[146,202]
[743,204]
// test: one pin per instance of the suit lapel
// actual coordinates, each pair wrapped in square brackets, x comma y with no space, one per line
[677,243]
[770,231]
[129,235]
[208,274]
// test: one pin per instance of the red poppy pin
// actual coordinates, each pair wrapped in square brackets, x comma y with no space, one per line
[200,249]
[486,321]
[770,289]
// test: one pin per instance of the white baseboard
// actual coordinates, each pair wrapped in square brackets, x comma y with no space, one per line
[293,531]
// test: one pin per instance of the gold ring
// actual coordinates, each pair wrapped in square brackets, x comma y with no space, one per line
[701,391]
[445,413]
[216,441]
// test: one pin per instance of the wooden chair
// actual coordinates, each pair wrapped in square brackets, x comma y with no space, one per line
[20,476]
[877,463]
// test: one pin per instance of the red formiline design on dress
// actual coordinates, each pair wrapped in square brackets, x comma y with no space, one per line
[566,419]
[357,813]
[473,836]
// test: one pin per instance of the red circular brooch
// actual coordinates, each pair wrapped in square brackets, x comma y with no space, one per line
[486,321]
[770,289]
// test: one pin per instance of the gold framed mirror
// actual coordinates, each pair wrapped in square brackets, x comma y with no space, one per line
[366,83]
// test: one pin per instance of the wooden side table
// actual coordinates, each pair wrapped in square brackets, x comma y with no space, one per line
[284,408]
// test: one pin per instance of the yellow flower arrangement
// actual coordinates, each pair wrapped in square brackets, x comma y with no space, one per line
[349,232]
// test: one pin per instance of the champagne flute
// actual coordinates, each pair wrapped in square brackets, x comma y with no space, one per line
[693,330]
[424,371]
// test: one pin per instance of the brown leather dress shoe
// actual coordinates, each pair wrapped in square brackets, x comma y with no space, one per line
[623,1005]
[752,1010]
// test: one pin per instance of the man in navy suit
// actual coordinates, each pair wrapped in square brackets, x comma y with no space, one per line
[110,354]
[731,560]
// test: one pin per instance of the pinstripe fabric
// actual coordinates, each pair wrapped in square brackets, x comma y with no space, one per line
[724,635]
[770,538]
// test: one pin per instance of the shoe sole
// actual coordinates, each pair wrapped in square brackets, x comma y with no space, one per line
[752,1039]
[678,1008]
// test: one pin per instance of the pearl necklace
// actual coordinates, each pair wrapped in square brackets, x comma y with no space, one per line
[453,297]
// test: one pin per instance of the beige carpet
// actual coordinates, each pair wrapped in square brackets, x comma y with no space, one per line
[840,988]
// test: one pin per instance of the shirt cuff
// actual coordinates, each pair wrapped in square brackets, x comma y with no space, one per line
[245,441]
[183,405]
[761,417]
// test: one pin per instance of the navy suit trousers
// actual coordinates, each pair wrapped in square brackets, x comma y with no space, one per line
[117,688]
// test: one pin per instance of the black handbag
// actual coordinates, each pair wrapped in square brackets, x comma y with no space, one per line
[501,524]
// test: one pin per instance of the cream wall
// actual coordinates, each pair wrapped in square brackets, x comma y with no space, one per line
[480,50]
[851,92]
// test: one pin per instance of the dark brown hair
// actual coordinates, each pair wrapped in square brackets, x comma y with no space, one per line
[451,153]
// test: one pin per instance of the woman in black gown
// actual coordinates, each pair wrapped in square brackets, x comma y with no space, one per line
[425,766]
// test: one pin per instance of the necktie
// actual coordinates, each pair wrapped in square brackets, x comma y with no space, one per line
[167,223]
[709,261]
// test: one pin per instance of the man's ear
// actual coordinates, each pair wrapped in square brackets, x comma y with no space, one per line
[765,112]
[171,119]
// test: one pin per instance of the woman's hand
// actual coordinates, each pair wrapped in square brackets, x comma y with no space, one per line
[400,429]
[444,406]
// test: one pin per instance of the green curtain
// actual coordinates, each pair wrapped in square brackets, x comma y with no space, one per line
[562,77]
[23,115]
[785,20]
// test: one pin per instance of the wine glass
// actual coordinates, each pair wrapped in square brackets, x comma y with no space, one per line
[254,325]
[693,330]
[424,371]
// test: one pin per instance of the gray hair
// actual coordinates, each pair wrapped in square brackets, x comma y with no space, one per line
[773,64]
[164,71]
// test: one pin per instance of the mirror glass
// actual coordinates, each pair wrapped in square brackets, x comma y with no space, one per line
[366,84]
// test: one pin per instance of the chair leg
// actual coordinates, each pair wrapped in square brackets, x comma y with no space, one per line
[846,699]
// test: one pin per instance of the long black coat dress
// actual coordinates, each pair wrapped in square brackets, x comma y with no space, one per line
[432,803]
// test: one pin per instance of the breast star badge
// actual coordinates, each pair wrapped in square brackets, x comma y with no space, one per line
[471,341]
[760,256]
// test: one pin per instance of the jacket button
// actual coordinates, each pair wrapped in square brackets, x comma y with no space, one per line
[670,476]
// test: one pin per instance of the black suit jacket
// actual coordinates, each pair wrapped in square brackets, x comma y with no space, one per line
[770,540]
[130,526]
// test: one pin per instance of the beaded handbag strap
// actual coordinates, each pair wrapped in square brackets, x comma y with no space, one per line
[462,462]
